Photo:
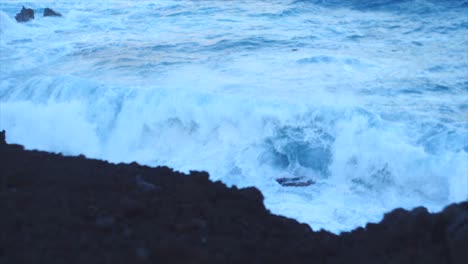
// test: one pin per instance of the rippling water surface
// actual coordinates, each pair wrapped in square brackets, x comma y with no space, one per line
[365,102]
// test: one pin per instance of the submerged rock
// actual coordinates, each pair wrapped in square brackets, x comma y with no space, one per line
[51,12]
[25,15]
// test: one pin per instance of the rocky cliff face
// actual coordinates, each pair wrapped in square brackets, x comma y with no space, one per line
[57,209]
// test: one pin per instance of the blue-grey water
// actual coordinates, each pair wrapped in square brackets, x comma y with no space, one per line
[366,99]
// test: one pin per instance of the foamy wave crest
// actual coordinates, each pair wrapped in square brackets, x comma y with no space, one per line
[7,25]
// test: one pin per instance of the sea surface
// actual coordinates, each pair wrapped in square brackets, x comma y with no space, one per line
[363,104]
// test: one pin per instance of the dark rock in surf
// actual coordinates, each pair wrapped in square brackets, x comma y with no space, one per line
[51,12]
[294,182]
[25,15]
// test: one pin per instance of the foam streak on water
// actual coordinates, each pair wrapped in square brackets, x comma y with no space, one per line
[367,99]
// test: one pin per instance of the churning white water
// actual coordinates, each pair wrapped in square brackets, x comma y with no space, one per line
[365,103]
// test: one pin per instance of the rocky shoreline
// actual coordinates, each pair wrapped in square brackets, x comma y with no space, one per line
[57,209]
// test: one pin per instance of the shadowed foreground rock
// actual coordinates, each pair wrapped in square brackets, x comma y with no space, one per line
[25,15]
[57,209]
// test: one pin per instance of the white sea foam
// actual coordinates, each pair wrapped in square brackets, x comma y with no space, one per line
[251,92]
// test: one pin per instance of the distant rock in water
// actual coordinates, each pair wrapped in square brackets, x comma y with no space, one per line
[51,12]
[25,15]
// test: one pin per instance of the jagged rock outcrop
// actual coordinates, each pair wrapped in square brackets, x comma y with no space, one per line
[57,209]
[25,15]
[50,12]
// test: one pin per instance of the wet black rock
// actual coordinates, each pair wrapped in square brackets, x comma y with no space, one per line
[51,12]
[295,182]
[25,15]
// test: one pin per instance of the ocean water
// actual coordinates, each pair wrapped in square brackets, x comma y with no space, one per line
[364,103]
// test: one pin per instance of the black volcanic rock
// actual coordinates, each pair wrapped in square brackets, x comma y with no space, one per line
[51,12]
[25,15]
[456,233]
[2,137]
[56,209]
